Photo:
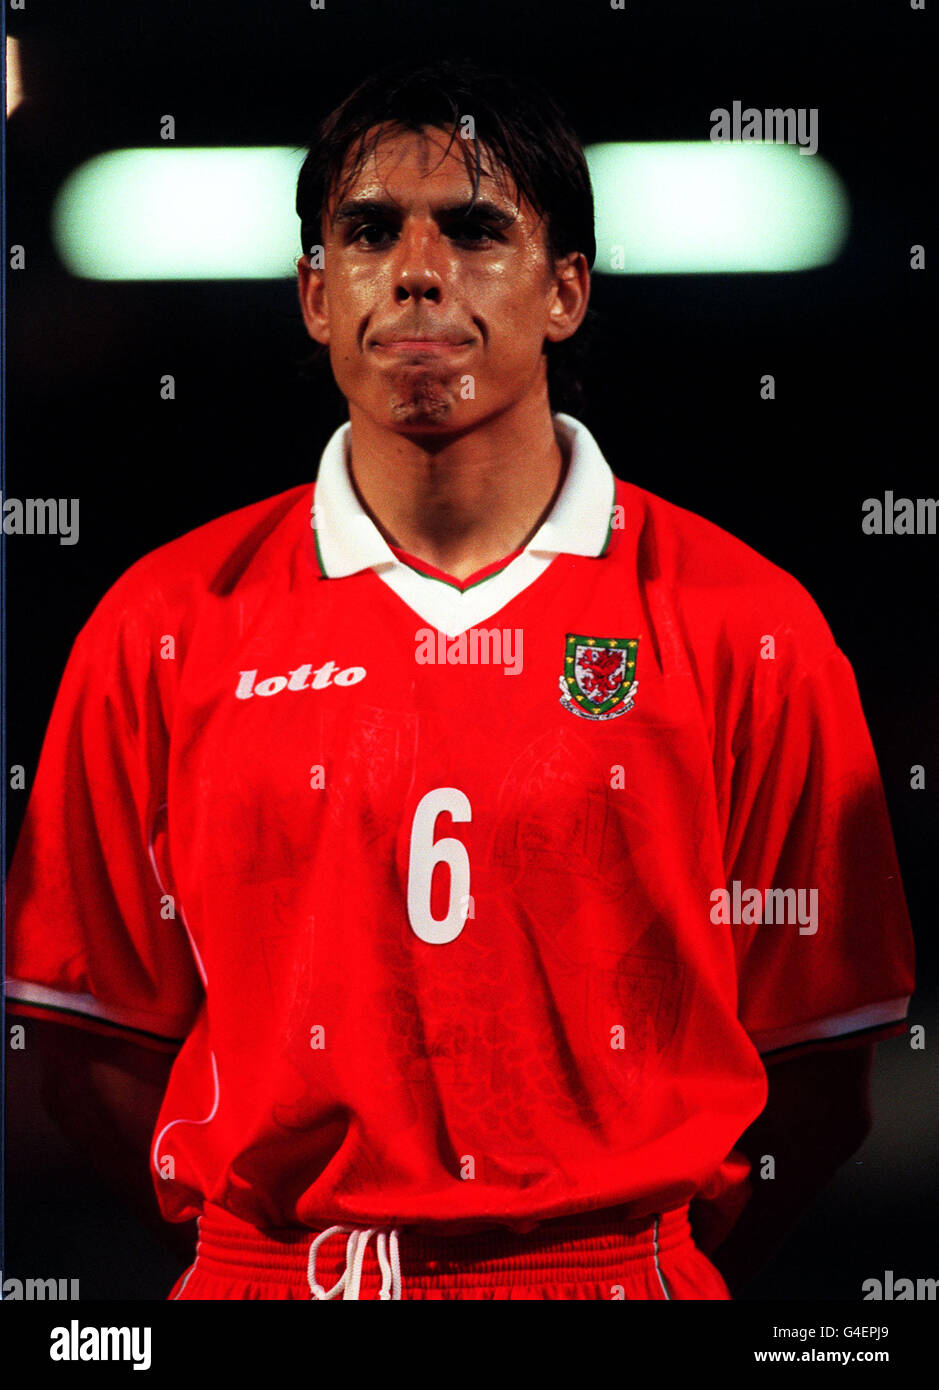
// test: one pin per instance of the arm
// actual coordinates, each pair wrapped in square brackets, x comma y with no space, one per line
[817,1114]
[105,1093]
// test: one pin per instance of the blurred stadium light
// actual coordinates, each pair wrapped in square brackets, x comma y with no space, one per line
[682,207]
[661,208]
[180,214]
[14,82]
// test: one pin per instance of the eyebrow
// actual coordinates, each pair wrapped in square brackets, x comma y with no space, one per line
[354,209]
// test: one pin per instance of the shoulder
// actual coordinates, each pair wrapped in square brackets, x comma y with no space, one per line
[747,632]
[233,552]
[720,588]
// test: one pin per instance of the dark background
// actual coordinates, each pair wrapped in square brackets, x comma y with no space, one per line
[673,399]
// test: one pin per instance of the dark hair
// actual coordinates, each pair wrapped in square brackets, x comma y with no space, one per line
[522,131]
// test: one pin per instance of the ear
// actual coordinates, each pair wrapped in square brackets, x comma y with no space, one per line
[311,287]
[568,297]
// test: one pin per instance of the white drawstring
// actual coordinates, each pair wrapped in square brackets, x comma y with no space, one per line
[390,1266]
[351,1277]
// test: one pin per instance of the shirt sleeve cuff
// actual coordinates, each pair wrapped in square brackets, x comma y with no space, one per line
[84,1010]
[863,1020]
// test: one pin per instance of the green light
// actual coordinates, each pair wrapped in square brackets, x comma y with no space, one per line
[701,207]
[661,208]
[180,214]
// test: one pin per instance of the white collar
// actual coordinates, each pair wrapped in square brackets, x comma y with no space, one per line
[578,524]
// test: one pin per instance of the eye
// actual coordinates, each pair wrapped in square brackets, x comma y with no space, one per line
[470,230]
[361,233]
[466,231]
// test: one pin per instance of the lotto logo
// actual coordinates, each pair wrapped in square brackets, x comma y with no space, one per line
[298,679]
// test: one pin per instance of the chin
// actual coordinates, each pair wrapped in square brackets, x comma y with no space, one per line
[427,405]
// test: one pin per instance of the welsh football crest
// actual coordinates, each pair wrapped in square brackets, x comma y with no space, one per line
[599,680]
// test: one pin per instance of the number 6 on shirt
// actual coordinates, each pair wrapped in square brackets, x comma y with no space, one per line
[426,853]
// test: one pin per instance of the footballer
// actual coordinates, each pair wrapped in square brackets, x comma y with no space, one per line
[409,886]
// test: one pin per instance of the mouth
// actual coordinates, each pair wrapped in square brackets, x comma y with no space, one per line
[422,345]
[433,336]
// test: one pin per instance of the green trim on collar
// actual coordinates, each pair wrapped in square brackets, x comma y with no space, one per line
[461,589]
[609,529]
[319,557]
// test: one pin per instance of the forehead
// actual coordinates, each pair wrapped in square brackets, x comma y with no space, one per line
[400,163]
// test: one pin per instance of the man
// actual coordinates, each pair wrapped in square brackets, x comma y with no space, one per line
[498,848]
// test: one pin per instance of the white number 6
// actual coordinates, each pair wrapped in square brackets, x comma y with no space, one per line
[425,854]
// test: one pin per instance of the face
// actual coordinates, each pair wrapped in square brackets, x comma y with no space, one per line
[436,316]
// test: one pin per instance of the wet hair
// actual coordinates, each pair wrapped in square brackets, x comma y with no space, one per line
[520,131]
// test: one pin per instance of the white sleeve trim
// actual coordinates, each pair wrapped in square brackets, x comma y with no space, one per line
[835,1026]
[65,1000]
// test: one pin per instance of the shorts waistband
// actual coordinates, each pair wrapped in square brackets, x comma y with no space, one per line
[594,1246]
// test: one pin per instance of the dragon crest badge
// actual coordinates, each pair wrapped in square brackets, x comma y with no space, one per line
[599,680]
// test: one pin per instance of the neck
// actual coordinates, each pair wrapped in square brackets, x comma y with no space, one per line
[461,501]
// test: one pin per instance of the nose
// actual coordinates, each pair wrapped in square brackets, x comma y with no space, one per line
[420,265]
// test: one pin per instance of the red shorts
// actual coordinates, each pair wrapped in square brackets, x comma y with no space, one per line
[597,1255]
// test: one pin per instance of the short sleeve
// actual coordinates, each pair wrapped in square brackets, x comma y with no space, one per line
[94,930]
[808,814]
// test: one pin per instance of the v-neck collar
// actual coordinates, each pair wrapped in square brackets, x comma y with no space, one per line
[348,541]
[479,576]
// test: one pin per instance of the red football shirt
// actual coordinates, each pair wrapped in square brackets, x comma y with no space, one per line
[424,880]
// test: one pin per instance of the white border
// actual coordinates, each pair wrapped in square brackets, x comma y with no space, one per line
[91,1007]
[869,1016]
